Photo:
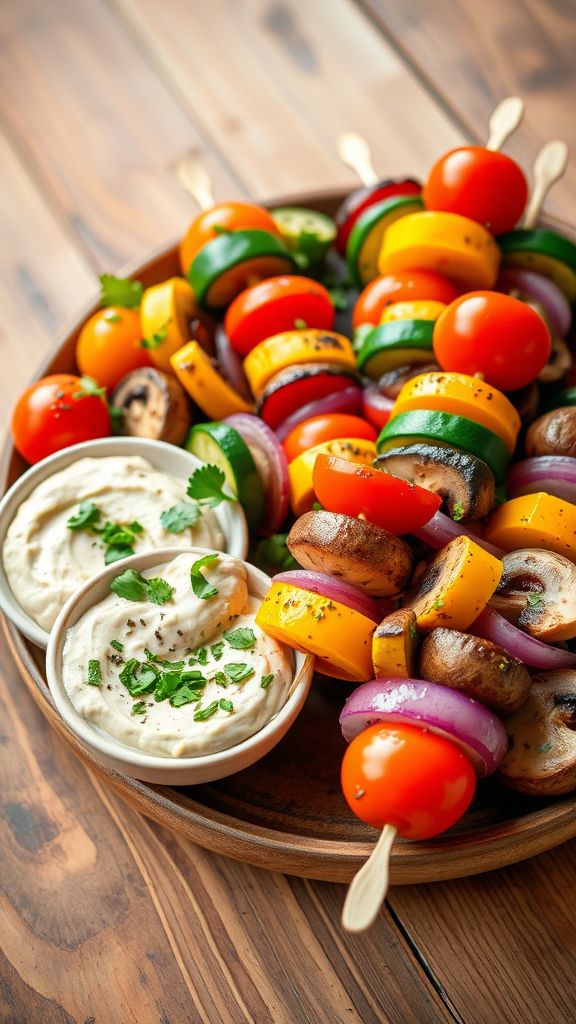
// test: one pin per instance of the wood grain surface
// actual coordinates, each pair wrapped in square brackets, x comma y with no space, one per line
[106,917]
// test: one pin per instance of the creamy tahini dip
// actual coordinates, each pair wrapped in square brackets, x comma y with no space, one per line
[189,632]
[45,562]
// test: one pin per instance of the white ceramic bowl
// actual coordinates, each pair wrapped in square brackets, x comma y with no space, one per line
[170,771]
[165,457]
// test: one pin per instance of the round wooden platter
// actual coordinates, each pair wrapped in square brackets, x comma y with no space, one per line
[286,813]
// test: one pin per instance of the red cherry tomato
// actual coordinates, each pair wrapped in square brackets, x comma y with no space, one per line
[326,428]
[356,202]
[109,346]
[393,504]
[408,777]
[56,412]
[222,217]
[478,183]
[405,285]
[275,305]
[495,335]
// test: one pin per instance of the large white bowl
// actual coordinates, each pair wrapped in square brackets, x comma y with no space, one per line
[165,457]
[168,771]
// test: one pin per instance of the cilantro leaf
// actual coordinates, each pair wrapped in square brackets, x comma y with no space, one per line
[220,679]
[138,679]
[241,639]
[167,684]
[88,514]
[130,585]
[201,587]
[115,552]
[203,713]
[266,680]
[184,695]
[533,600]
[120,291]
[139,708]
[159,590]
[216,650]
[225,705]
[94,673]
[206,484]
[238,671]
[182,516]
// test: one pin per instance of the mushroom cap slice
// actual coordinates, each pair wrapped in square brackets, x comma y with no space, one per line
[464,482]
[537,592]
[541,758]
[477,667]
[554,433]
[351,549]
[153,404]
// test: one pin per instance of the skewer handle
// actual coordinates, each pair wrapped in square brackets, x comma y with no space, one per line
[369,886]
[196,181]
[504,121]
[549,165]
[354,151]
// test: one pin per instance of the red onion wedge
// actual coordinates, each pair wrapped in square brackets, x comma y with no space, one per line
[376,406]
[440,530]
[333,589]
[492,626]
[543,290]
[271,464]
[554,474]
[230,364]
[347,400]
[478,733]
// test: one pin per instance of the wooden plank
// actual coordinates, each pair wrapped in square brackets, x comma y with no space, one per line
[502,945]
[472,55]
[100,126]
[107,916]
[274,84]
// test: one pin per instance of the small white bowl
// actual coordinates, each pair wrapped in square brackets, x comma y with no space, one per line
[165,457]
[172,771]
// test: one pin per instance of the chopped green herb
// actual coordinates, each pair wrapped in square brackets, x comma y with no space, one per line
[241,639]
[138,679]
[544,748]
[216,650]
[157,660]
[94,673]
[201,587]
[299,324]
[317,507]
[413,631]
[158,337]
[130,585]
[182,516]
[238,671]
[167,685]
[88,515]
[225,705]
[266,680]
[184,695]
[458,512]
[120,291]
[188,675]
[220,679]
[159,591]
[207,485]
[117,645]
[89,388]
[203,713]
[533,600]
[438,603]
[139,708]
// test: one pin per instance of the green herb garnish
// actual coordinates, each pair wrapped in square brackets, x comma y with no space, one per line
[544,748]
[132,586]
[157,339]
[159,591]
[458,512]
[184,695]
[216,650]
[207,485]
[299,324]
[266,680]
[88,515]
[89,388]
[166,685]
[533,600]
[241,639]
[138,679]
[94,673]
[182,516]
[112,318]
[117,645]
[220,679]
[139,708]
[225,705]
[438,603]
[201,587]
[203,713]
[120,291]
[238,671]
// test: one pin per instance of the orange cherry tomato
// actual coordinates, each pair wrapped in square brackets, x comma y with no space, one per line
[496,335]
[408,777]
[274,306]
[403,286]
[482,184]
[55,412]
[326,428]
[222,217]
[109,346]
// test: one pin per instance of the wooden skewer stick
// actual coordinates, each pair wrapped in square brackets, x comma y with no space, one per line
[504,121]
[369,886]
[549,165]
[354,151]
[196,181]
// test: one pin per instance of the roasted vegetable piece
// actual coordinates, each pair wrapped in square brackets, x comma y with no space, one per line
[458,247]
[361,198]
[477,667]
[301,470]
[464,482]
[153,404]
[554,433]
[166,312]
[456,586]
[352,550]
[537,591]
[291,389]
[196,373]
[534,521]
[395,646]
[304,346]
[541,758]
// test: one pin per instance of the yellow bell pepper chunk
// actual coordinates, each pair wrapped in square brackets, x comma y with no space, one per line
[165,314]
[461,395]
[301,469]
[457,247]
[415,309]
[291,347]
[205,385]
[548,266]
[534,521]
[456,586]
[394,646]
[340,636]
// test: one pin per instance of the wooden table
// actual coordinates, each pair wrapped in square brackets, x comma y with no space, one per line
[106,918]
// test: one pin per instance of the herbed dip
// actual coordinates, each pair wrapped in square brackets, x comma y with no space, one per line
[89,514]
[190,676]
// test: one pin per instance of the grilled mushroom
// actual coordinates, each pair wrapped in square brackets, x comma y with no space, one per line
[541,758]
[554,433]
[477,667]
[537,591]
[353,550]
[465,482]
[153,404]
[395,645]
